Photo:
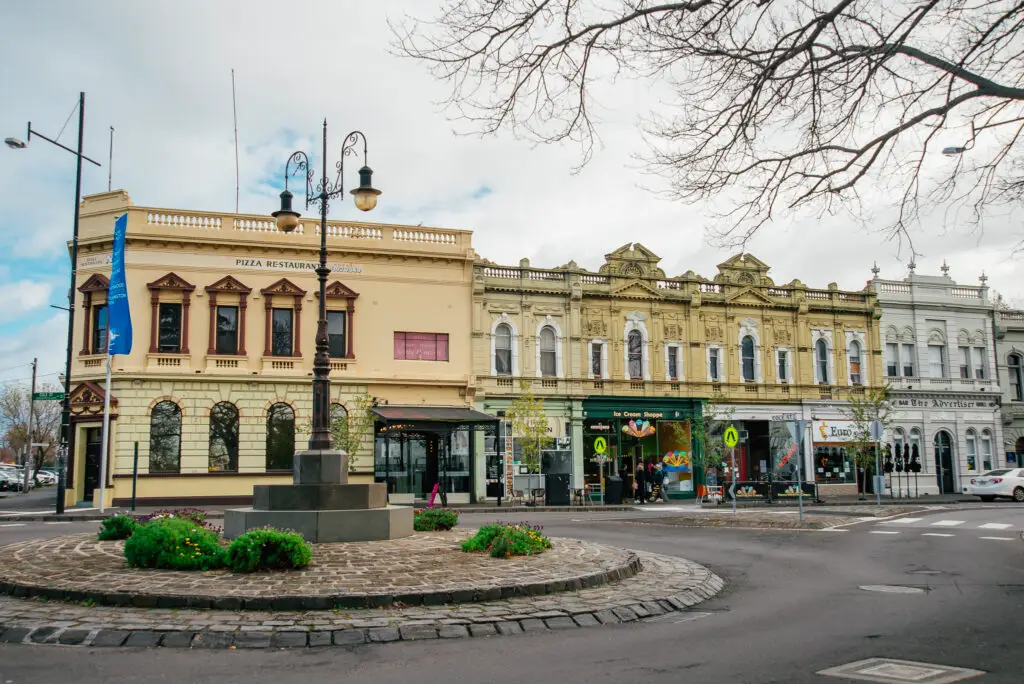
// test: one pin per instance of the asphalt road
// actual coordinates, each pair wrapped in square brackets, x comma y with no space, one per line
[38,499]
[793,606]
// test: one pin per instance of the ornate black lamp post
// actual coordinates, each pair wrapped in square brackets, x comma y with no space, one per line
[288,220]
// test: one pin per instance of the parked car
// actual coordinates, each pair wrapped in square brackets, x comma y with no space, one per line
[1006,483]
[45,478]
[9,481]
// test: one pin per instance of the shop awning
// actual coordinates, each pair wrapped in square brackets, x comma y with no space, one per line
[432,414]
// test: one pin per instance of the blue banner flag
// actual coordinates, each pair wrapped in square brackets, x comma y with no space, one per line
[120,316]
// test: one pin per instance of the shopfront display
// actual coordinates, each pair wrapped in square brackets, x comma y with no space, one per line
[621,434]
[834,456]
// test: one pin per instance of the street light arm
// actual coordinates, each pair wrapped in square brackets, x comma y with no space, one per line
[32,132]
[348,149]
[300,160]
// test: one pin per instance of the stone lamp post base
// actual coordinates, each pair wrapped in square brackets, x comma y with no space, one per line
[322,506]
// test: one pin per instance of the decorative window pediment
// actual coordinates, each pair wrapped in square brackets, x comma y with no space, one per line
[95,283]
[283,287]
[171,281]
[338,290]
[228,284]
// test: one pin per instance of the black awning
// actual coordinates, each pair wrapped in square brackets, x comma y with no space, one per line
[432,414]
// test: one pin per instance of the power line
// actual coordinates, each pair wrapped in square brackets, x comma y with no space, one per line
[16,380]
[73,110]
[20,365]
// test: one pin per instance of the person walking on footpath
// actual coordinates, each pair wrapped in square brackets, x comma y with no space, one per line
[640,483]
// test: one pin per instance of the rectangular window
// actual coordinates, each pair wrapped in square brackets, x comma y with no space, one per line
[783,365]
[965,363]
[937,361]
[855,365]
[908,360]
[892,360]
[595,360]
[227,329]
[713,364]
[979,363]
[281,330]
[99,329]
[673,362]
[410,346]
[169,329]
[336,335]
[972,456]
[986,452]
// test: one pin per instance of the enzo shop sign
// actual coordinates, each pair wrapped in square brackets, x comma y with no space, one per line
[835,431]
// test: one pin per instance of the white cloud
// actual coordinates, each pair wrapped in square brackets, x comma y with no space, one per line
[24,296]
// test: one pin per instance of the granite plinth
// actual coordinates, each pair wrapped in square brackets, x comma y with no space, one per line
[318,497]
[320,466]
[324,526]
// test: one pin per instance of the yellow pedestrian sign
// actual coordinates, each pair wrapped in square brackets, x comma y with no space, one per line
[600,445]
[732,437]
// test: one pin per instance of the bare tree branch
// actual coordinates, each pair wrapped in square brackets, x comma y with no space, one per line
[775,105]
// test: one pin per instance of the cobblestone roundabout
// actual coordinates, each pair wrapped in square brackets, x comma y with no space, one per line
[427,568]
[664,584]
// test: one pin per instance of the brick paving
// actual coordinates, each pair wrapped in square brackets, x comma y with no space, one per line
[664,584]
[427,568]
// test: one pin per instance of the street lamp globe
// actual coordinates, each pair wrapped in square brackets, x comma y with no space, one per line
[287,218]
[15,143]
[365,195]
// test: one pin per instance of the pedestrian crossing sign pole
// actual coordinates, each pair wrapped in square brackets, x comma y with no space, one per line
[732,438]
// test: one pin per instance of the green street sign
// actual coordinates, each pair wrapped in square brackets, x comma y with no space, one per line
[48,396]
[732,437]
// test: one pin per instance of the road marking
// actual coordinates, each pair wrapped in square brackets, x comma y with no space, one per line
[936,534]
[57,523]
[994,526]
[13,525]
[883,532]
[998,538]
[892,589]
[16,513]
[948,523]
[902,521]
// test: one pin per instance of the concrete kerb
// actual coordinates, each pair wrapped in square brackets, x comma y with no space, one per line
[417,624]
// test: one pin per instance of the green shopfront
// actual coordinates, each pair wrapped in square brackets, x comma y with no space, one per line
[619,433]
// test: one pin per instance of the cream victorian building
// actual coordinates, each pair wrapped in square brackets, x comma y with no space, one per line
[625,357]
[216,393]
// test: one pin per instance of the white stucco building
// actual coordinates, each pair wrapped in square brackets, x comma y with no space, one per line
[1010,358]
[939,359]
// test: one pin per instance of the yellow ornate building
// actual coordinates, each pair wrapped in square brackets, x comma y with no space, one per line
[216,393]
[625,356]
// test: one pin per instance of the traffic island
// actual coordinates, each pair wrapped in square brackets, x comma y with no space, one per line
[424,569]
[660,585]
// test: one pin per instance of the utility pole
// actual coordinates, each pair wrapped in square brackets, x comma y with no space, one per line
[27,460]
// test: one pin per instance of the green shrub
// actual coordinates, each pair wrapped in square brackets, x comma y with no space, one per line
[268,549]
[174,544]
[431,519]
[503,540]
[195,515]
[117,527]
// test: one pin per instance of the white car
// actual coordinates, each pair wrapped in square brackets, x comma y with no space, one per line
[1004,483]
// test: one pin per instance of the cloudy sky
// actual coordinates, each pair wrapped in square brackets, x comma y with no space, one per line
[160,73]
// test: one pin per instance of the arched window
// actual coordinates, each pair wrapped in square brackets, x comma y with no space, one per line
[855,376]
[635,349]
[547,352]
[280,437]
[821,361]
[986,450]
[223,438]
[899,438]
[339,424]
[915,443]
[165,438]
[747,353]
[503,349]
[1015,366]
[972,450]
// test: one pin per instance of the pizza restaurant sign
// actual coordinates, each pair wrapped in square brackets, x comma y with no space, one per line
[227,263]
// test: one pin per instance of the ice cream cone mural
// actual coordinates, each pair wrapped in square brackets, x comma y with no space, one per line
[638,428]
[677,461]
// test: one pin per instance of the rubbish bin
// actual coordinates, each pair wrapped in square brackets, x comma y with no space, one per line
[613,490]
[556,492]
